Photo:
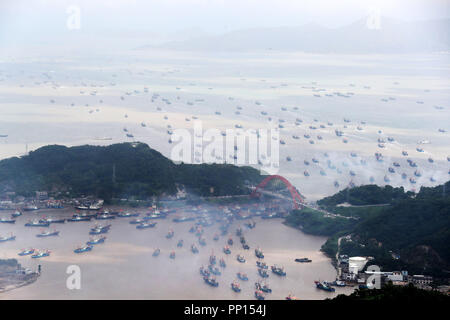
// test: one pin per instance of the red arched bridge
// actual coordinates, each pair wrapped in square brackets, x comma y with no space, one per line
[297,199]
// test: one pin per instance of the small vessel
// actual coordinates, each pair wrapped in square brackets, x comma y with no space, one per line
[242,276]
[235,286]
[214,270]
[7,238]
[259,254]
[202,241]
[6,220]
[323,286]
[262,265]
[78,218]
[259,295]
[194,249]
[226,250]
[94,241]
[278,270]
[303,260]
[172,255]
[156,252]
[30,208]
[100,229]
[127,214]
[53,220]
[216,237]
[26,252]
[16,214]
[36,223]
[82,249]
[306,173]
[41,254]
[240,258]
[170,234]
[222,263]
[211,281]
[105,216]
[45,234]
[212,259]
[230,241]
[404,153]
[146,225]
[137,221]
[180,243]
[263,273]
[262,287]
[291,297]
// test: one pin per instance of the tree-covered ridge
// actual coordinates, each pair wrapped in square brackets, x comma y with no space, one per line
[119,170]
[366,195]
[411,233]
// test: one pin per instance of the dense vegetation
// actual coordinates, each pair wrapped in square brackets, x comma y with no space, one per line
[411,233]
[366,195]
[392,293]
[139,171]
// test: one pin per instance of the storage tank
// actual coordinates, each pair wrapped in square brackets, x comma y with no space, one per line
[356,264]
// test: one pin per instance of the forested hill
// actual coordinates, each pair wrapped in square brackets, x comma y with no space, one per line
[366,195]
[119,170]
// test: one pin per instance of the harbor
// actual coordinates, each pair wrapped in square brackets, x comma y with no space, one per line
[152,258]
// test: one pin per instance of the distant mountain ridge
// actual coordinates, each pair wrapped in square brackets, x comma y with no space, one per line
[392,37]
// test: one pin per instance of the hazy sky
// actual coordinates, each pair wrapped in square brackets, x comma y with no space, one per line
[36,21]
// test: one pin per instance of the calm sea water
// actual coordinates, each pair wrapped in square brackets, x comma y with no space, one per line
[124,268]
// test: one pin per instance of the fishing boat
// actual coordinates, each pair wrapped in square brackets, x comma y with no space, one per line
[41,254]
[30,208]
[26,252]
[235,286]
[137,221]
[7,238]
[278,270]
[127,214]
[303,260]
[53,220]
[36,223]
[105,216]
[259,254]
[180,243]
[194,249]
[94,241]
[211,281]
[170,234]
[16,214]
[6,220]
[262,287]
[259,295]
[230,241]
[45,234]
[214,270]
[226,250]
[291,297]
[202,241]
[78,218]
[242,276]
[146,225]
[262,265]
[240,258]
[172,255]
[222,263]
[156,252]
[82,249]
[323,286]
[263,273]
[100,229]
[212,259]
[204,272]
